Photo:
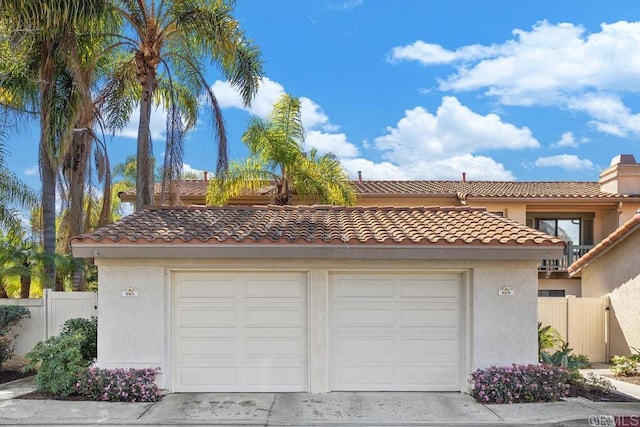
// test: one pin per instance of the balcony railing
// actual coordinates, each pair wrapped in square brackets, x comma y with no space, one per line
[571,253]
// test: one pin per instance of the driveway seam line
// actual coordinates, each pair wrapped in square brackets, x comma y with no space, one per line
[494,412]
[146,410]
[275,397]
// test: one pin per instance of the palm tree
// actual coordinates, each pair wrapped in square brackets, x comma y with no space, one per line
[177,35]
[51,50]
[278,160]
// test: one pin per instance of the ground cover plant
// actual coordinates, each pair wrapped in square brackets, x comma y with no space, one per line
[119,385]
[520,383]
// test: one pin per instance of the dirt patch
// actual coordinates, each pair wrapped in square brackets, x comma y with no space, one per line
[599,395]
[38,395]
[7,375]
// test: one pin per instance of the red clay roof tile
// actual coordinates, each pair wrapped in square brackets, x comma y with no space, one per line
[319,225]
[516,189]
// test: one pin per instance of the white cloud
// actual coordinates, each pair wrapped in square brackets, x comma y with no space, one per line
[552,64]
[373,171]
[451,168]
[335,143]
[430,53]
[157,126]
[268,94]
[565,161]
[31,171]
[453,131]
[186,168]
[609,114]
[566,140]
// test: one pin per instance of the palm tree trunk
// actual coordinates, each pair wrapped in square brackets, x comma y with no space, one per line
[25,286]
[144,165]
[77,169]
[47,169]
[3,289]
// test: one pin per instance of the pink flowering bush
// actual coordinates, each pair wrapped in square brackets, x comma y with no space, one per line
[119,385]
[520,383]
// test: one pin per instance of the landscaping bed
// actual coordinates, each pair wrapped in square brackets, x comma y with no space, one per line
[8,375]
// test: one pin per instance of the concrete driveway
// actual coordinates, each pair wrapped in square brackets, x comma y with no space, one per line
[285,409]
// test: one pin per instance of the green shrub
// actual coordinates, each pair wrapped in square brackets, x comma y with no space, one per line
[88,329]
[10,315]
[548,337]
[520,383]
[60,362]
[565,358]
[119,385]
[625,366]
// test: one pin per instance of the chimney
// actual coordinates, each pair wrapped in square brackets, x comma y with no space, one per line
[464,177]
[622,176]
[206,175]
[359,176]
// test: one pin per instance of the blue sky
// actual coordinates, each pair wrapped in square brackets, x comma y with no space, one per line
[501,90]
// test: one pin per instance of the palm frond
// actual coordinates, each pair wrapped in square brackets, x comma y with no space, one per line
[251,176]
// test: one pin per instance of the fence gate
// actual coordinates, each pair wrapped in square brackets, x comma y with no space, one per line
[582,322]
[62,306]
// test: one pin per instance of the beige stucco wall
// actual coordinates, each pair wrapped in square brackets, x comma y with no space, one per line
[135,331]
[570,286]
[617,273]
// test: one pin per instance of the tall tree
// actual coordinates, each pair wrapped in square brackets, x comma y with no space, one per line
[51,46]
[278,160]
[169,41]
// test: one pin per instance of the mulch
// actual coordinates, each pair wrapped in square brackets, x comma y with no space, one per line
[595,395]
[7,375]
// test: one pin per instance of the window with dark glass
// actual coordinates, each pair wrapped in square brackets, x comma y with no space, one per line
[551,293]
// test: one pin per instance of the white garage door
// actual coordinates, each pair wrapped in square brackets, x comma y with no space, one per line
[396,332]
[239,331]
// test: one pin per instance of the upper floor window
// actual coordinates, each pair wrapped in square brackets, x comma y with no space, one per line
[574,228]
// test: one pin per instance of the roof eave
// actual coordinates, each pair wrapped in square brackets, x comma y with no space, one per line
[315,251]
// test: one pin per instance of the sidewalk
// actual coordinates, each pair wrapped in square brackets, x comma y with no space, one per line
[286,409]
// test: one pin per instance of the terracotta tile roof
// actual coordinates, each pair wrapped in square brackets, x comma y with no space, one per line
[319,225]
[192,188]
[611,240]
[564,189]
[515,189]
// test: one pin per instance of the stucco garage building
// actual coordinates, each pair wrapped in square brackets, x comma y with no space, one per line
[316,298]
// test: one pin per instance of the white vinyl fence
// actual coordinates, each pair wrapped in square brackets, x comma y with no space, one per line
[582,322]
[48,314]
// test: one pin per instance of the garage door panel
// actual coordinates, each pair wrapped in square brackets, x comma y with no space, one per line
[430,315]
[274,288]
[354,347]
[432,289]
[408,338]
[436,377]
[274,317]
[363,316]
[368,287]
[364,377]
[252,338]
[283,347]
[206,317]
[430,349]
[207,287]
[201,378]
[207,347]
[278,378]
